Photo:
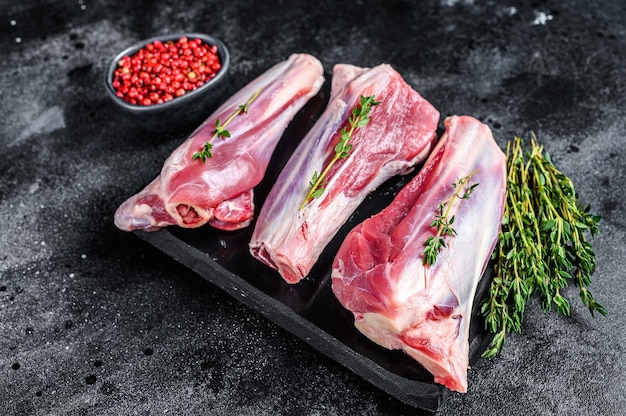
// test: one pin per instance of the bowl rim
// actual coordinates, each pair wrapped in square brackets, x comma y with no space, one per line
[222,51]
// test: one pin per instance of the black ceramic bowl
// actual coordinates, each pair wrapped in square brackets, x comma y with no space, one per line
[182,113]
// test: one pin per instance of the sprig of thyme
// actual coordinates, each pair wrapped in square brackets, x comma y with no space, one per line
[221,131]
[542,244]
[443,220]
[359,118]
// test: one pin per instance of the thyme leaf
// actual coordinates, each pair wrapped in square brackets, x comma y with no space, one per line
[359,118]
[205,153]
[220,130]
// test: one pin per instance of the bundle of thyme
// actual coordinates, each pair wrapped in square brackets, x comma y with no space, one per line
[542,245]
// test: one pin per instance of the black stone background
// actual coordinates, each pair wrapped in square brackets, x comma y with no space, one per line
[96,321]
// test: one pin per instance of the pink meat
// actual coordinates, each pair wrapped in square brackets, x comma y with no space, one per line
[400,134]
[190,193]
[379,275]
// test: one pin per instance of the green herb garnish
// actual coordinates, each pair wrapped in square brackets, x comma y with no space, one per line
[443,220]
[220,130]
[542,245]
[358,118]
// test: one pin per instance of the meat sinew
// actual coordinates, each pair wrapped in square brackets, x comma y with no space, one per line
[290,236]
[190,193]
[379,274]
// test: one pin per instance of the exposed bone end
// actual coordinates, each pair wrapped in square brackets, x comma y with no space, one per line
[277,262]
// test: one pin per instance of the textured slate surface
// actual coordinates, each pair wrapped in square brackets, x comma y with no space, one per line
[96,321]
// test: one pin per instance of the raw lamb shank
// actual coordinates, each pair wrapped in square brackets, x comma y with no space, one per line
[190,193]
[291,230]
[380,273]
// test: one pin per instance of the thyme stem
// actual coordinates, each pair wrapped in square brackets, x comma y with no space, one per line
[220,129]
[443,221]
[359,118]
